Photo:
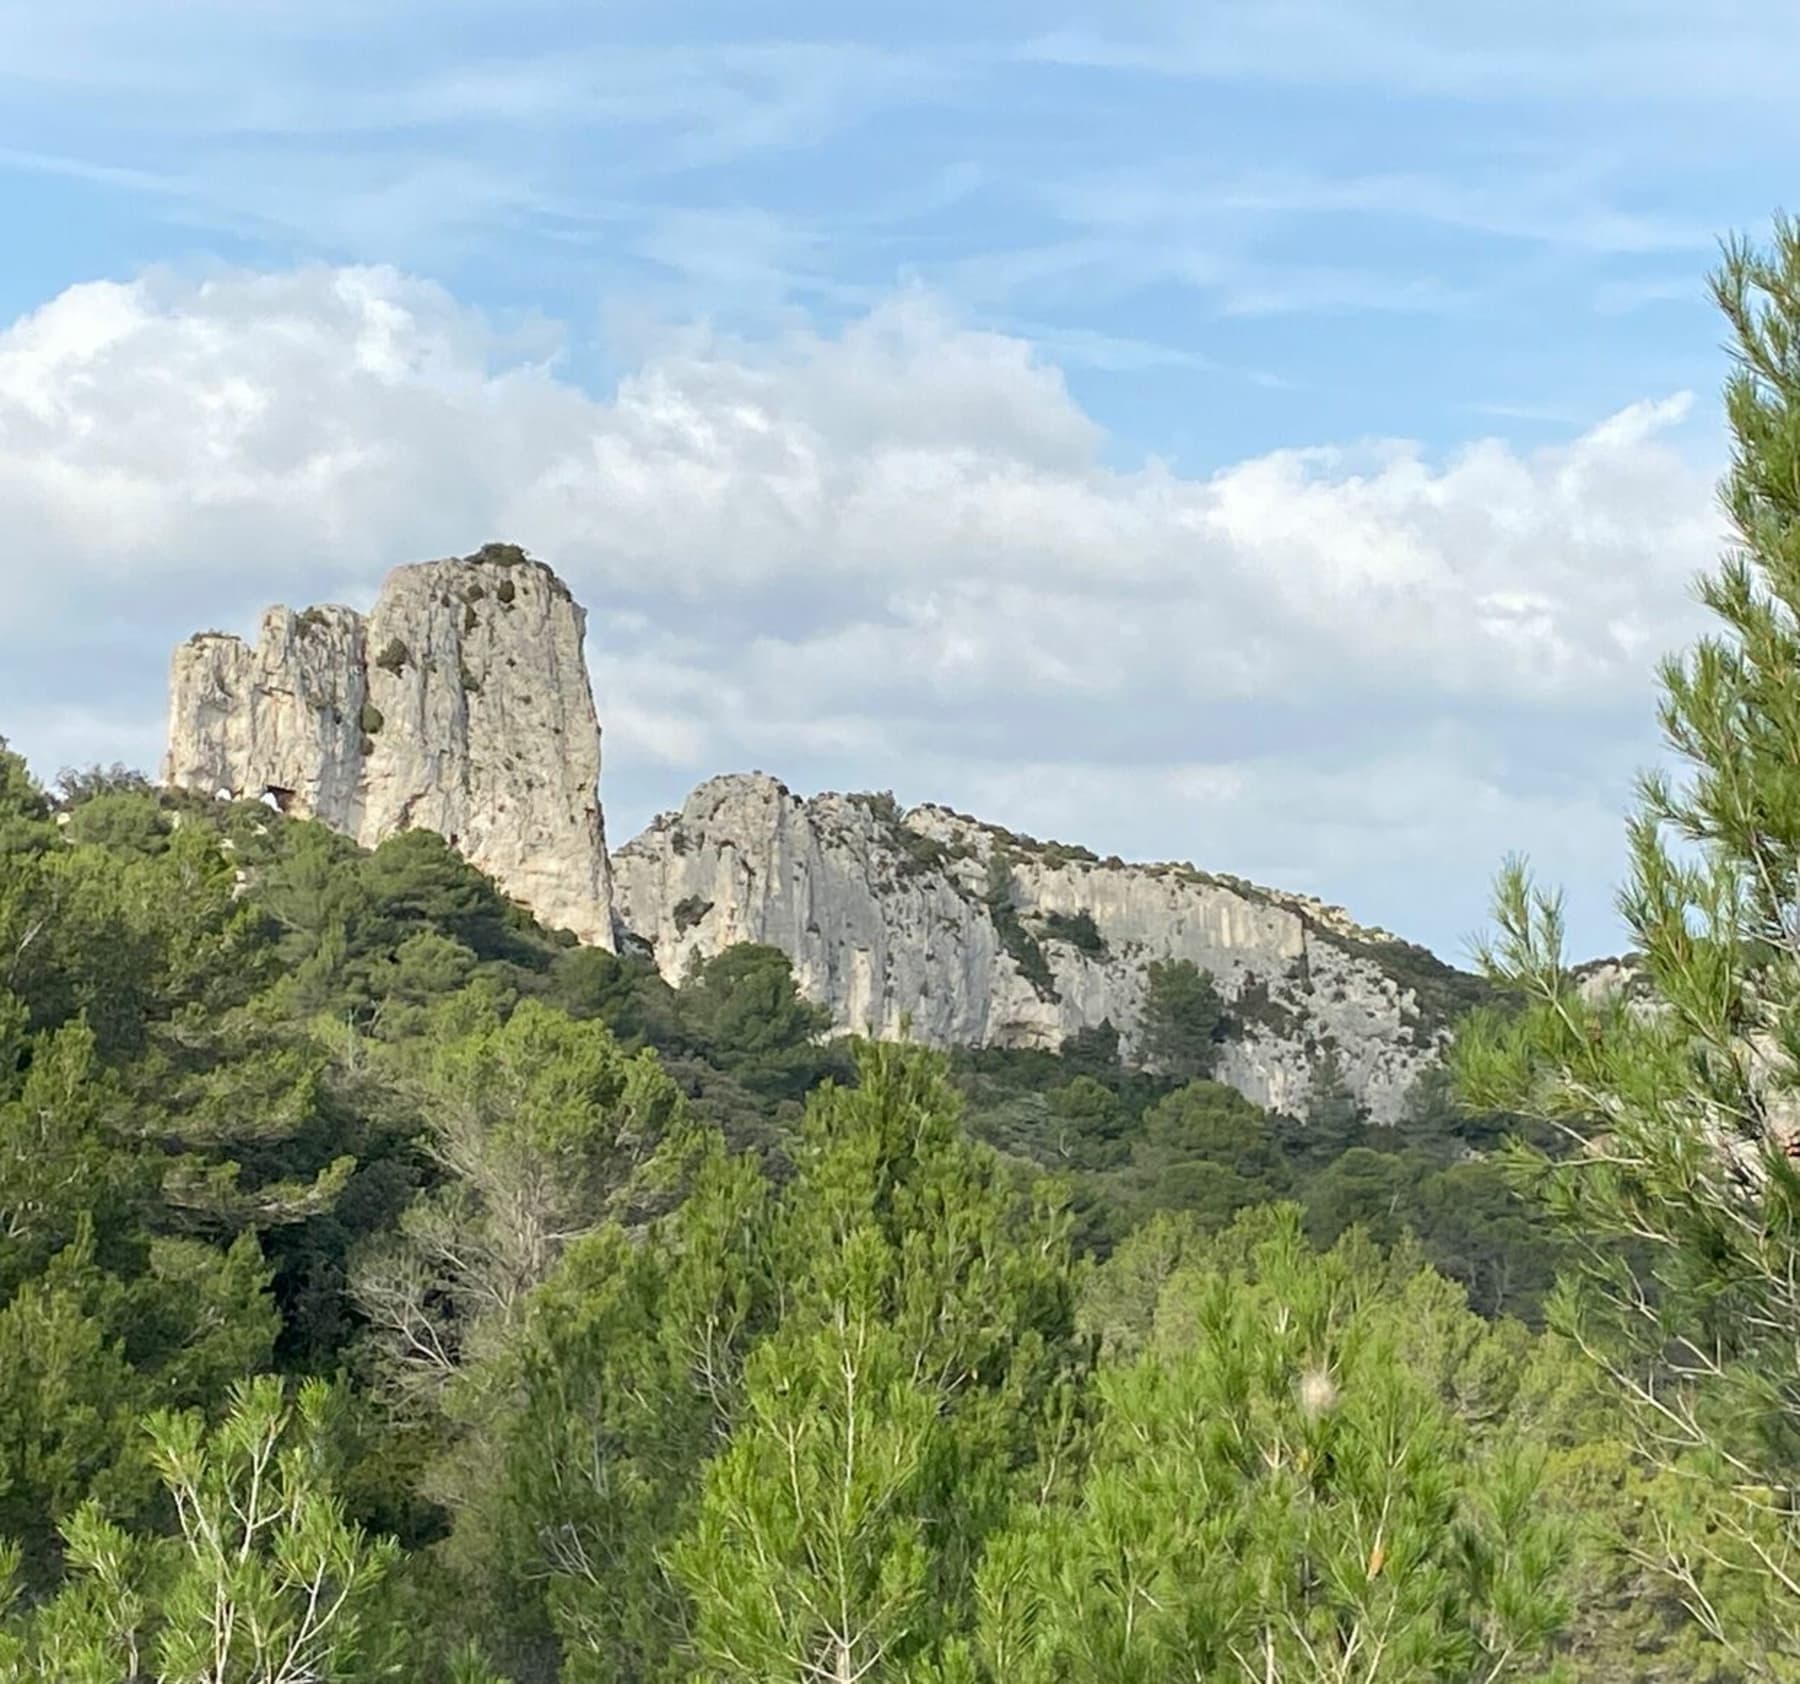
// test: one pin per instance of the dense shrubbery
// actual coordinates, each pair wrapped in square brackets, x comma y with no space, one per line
[357,1115]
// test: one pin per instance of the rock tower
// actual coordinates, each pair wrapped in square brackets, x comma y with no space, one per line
[460,704]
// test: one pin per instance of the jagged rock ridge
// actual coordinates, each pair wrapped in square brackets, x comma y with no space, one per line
[460,704]
[969,935]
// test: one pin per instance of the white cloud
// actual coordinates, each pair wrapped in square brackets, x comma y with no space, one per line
[898,551]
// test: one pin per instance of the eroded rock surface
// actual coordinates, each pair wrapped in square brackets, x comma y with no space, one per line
[460,704]
[973,936]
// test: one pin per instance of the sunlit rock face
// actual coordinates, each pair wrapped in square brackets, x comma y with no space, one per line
[459,704]
[930,923]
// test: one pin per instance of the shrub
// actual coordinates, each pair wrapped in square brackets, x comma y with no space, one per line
[504,592]
[1078,929]
[882,804]
[370,719]
[1019,943]
[394,657]
[1255,1004]
[689,911]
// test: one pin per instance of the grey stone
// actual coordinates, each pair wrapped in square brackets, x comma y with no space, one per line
[460,704]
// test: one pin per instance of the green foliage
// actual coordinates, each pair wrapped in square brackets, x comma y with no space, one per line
[911,1389]
[542,1129]
[1680,1199]
[1183,1018]
[745,1012]
[619,1388]
[416,880]
[264,1581]
[689,911]
[125,822]
[627,994]
[84,1352]
[1019,943]
[1277,1488]
[394,656]
[370,719]
[1078,929]
[1091,1123]
[20,797]
[1204,1149]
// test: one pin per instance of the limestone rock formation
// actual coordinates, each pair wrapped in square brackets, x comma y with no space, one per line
[975,936]
[461,704]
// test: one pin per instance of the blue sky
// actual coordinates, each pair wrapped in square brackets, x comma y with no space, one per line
[1273,434]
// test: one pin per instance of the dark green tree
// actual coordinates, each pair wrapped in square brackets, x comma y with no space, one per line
[1183,1017]
[743,1008]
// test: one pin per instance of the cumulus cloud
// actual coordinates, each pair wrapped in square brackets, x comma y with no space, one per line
[898,554]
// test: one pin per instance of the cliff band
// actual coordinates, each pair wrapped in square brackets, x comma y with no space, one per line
[968,934]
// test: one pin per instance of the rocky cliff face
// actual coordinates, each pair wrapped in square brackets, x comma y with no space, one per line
[976,936]
[461,704]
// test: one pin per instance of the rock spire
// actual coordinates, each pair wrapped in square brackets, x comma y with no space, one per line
[459,704]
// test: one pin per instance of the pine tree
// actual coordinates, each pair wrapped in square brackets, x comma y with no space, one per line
[915,1379]
[1182,1018]
[1279,1491]
[542,1129]
[1679,1188]
[624,1379]
[263,1582]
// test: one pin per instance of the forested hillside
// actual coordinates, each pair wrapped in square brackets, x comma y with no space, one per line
[668,1340]
[391,1290]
